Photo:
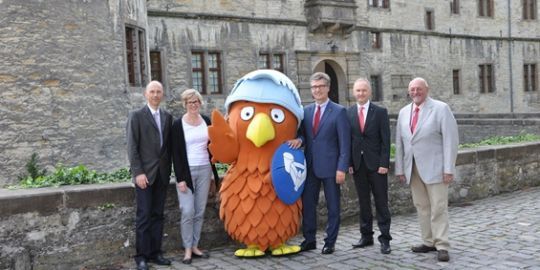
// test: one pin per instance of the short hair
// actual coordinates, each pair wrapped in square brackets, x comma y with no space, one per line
[153,83]
[363,80]
[188,94]
[320,76]
[419,79]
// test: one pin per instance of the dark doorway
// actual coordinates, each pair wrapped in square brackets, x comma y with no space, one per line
[334,92]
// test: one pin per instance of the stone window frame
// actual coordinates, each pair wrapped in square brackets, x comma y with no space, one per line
[530,77]
[375,81]
[486,78]
[135,47]
[486,8]
[271,60]
[382,4]
[456,81]
[454,7]
[429,19]
[376,40]
[529,8]
[208,66]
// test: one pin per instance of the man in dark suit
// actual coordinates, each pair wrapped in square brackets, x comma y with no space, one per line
[150,164]
[325,133]
[370,157]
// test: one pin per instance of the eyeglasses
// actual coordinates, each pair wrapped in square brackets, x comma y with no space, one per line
[195,102]
[320,86]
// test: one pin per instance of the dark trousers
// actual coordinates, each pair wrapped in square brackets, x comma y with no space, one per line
[310,199]
[368,182]
[150,218]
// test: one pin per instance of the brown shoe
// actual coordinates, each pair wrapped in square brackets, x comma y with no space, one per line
[443,256]
[422,249]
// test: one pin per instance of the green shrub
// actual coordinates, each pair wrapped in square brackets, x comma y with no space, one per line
[502,140]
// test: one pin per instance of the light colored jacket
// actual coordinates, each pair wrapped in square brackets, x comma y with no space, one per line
[433,145]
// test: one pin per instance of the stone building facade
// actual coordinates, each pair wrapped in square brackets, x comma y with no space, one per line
[71,70]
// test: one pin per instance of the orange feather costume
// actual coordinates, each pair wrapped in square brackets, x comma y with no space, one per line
[264,111]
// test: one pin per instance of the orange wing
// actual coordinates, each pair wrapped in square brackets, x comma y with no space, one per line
[223,142]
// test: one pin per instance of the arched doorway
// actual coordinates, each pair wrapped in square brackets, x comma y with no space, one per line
[334,86]
[336,77]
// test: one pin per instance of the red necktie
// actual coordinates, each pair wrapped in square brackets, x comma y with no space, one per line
[361,118]
[414,119]
[317,119]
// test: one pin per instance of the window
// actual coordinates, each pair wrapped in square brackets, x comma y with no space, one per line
[430,21]
[206,72]
[135,56]
[454,6]
[376,40]
[530,82]
[456,81]
[271,61]
[379,3]
[529,9]
[487,83]
[485,8]
[376,90]
[155,66]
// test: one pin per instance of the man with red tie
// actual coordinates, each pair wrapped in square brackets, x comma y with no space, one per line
[370,158]
[325,133]
[426,150]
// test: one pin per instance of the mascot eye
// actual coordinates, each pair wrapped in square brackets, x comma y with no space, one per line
[247,113]
[277,115]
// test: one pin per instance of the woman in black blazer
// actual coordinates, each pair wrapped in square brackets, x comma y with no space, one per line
[193,170]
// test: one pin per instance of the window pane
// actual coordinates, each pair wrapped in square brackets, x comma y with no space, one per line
[263,61]
[213,82]
[277,62]
[195,60]
[197,79]
[212,60]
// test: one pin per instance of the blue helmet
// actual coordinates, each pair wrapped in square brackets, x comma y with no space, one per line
[267,86]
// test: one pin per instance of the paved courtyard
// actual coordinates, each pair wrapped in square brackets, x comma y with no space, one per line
[501,232]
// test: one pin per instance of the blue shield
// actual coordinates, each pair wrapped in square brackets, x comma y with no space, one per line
[288,173]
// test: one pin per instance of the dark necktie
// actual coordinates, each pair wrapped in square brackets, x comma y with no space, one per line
[317,119]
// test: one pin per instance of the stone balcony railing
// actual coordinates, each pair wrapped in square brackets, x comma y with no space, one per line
[74,226]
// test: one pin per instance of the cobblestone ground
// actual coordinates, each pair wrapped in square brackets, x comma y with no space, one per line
[501,232]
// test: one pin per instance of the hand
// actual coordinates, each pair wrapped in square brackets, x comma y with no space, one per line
[294,143]
[382,170]
[351,170]
[182,186]
[340,177]
[448,178]
[141,181]
[402,178]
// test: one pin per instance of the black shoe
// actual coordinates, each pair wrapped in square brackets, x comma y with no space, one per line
[142,265]
[423,249]
[443,255]
[327,249]
[203,255]
[186,261]
[364,242]
[305,246]
[160,260]
[385,247]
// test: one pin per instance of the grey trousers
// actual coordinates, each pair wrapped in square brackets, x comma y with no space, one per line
[193,204]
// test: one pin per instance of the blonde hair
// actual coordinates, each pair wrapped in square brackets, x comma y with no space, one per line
[190,93]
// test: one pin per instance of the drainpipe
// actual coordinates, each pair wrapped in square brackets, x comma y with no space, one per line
[510,43]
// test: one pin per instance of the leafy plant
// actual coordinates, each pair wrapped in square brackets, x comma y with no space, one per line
[502,140]
[33,169]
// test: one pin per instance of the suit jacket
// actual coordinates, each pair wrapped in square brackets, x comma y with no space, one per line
[329,149]
[144,152]
[433,145]
[179,154]
[374,143]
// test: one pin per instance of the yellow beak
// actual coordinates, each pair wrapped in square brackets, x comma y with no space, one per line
[260,130]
